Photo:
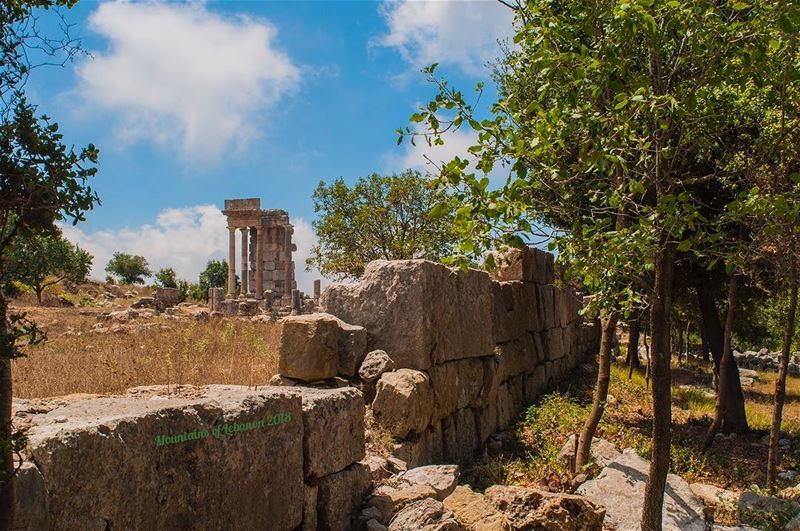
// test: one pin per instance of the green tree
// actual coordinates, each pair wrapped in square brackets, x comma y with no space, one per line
[46,259]
[215,275]
[42,181]
[128,268]
[609,112]
[166,278]
[380,217]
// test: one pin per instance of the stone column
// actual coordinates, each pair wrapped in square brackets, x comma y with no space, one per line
[231,263]
[317,289]
[286,253]
[259,263]
[297,307]
[245,265]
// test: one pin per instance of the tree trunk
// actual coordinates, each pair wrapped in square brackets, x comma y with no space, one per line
[6,455]
[735,420]
[680,342]
[633,347]
[39,295]
[704,343]
[609,326]
[661,307]
[724,376]
[780,387]
[649,359]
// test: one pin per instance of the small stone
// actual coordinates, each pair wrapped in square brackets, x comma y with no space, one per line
[397,465]
[375,364]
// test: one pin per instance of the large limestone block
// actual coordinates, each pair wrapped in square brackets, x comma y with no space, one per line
[460,448]
[352,346]
[340,496]
[333,422]
[403,402]
[515,310]
[425,449]
[514,264]
[418,311]
[505,407]
[546,294]
[516,357]
[485,422]
[620,489]
[32,504]
[456,384]
[554,339]
[99,456]
[308,347]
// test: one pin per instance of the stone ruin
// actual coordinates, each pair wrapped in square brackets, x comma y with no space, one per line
[266,267]
[443,358]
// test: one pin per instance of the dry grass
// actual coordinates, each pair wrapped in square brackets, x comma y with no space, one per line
[155,351]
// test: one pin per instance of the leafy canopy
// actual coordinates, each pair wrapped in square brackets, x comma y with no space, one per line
[46,259]
[166,278]
[380,217]
[129,269]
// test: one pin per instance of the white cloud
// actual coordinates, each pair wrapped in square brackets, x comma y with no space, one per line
[183,239]
[461,33]
[183,76]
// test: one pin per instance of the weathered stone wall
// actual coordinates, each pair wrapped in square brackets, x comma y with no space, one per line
[233,458]
[468,350]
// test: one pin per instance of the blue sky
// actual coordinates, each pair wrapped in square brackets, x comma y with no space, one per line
[192,103]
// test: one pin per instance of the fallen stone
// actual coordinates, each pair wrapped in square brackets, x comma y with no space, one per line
[427,515]
[403,402]
[474,511]
[375,364]
[441,478]
[308,347]
[713,496]
[378,467]
[620,489]
[534,509]
[388,499]
[352,346]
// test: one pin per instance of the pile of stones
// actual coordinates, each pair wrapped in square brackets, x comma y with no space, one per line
[764,360]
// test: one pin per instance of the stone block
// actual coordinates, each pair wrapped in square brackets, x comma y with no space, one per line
[418,311]
[491,380]
[340,496]
[516,357]
[547,317]
[456,384]
[514,264]
[515,310]
[554,342]
[32,503]
[310,494]
[516,386]
[352,346]
[333,422]
[111,450]
[461,445]
[404,402]
[308,347]
[485,422]
[425,449]
[505,407]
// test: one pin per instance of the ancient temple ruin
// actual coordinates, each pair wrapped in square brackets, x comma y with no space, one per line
[266,267]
